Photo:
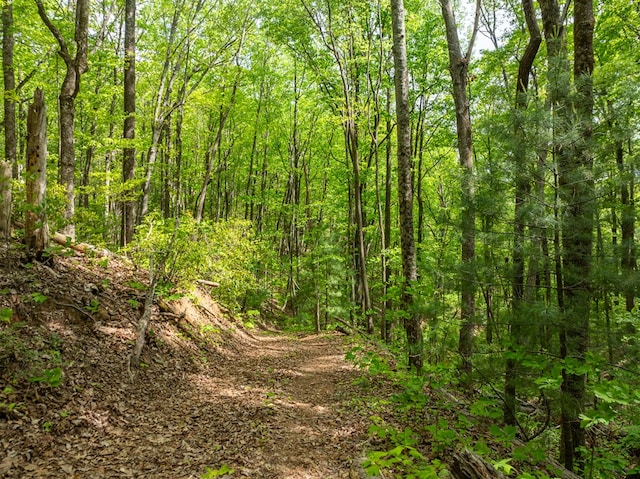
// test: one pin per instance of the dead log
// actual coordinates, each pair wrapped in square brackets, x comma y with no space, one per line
[143,324]
[5,199]
[204,282]
[340,329]
[83,248]
[468,465]
[36,231]
[345,323]
[170,308]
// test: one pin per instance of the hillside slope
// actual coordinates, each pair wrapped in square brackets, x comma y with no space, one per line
[210,396]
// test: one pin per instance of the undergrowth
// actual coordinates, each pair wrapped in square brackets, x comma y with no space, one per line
[429,417]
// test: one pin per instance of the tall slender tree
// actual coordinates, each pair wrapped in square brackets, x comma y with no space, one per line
[523,175]
[76,64]
[578,194]
[36,230]
[10,140]
[129,151]
[412,324]
[459,69]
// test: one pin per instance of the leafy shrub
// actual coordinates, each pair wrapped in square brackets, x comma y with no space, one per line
[225,252]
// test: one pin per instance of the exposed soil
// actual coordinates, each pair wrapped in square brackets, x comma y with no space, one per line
[210,394]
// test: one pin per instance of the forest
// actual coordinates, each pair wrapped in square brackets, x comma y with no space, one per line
[454,180]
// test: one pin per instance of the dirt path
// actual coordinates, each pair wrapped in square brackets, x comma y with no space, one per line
[276,408]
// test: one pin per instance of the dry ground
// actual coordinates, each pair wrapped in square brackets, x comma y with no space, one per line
[209,394]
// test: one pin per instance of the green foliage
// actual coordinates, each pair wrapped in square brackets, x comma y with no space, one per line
[134,303]
[49,377]
[505,435]
[444,436]
[38,298]
[6,314]
[93,306]
[221,471]
[369,361]
[225,252]
[403,457]
[487,407]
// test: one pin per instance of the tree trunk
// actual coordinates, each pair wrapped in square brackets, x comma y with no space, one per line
[627,223]
[10,139]
[36,228]
[388,186]
[468,465]
[459,67]
[129,151]
[412,323]
[578,194]
[523,173]
[70,88]
[212,152]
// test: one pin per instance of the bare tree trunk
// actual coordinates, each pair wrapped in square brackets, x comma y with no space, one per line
[76,66]
[212,152]
[36,228]
[129,151]
[251,177]
[388,187]
[412,322]
[459,68]
[10,140]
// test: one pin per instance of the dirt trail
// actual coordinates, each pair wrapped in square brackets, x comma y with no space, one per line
[278,407]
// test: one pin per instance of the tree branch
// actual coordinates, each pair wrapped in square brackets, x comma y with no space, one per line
[64,50]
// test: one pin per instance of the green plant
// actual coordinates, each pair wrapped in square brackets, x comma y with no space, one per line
[38,298]
[443,437]
[503,465]
[5,314]
[94,306]
[135,304]
[225,251]
[504,435]
[136,285]
[221,471]
[49,377]
[407,461]
[487,407]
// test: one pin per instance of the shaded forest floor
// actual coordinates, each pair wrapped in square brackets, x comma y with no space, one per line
[210,395]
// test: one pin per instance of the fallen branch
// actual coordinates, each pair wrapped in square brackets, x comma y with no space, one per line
[340,329]
[83,248]
[468,465]
[143,324]
[69,305]
[351,327]
[213,284]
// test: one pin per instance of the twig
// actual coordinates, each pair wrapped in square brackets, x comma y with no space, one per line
[69,305]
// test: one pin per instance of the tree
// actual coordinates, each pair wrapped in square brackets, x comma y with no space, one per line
[36,229]
[76,65]
[10,140]
[459,69]
[412,321]
[522,180]
[129,152]
[578,194]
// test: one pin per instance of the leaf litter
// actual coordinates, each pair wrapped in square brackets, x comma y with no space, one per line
[211,396]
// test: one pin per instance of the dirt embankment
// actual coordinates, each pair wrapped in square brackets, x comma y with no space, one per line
[210,396]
